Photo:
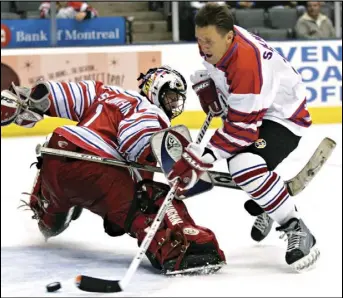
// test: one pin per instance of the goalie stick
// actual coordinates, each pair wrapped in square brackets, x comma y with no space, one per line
[93,284]
[295,185]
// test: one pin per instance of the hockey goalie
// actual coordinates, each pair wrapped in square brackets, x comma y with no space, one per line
[115,123]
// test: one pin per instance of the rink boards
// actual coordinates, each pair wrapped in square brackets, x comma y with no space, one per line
[319,62]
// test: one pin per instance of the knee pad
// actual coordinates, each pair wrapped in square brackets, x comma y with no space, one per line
[248,170]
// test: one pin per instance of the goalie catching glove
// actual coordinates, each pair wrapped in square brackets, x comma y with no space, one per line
[24,106]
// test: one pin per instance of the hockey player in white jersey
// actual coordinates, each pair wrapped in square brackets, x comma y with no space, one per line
[261,100]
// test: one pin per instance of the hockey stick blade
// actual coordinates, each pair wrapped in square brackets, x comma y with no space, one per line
[312,167]
[93,284]
[99,285]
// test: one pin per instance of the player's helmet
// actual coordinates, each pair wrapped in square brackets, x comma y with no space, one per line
[166,88]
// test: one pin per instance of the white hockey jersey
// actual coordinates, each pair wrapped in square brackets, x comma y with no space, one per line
[254,82]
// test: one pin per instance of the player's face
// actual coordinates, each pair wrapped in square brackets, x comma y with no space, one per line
[213,44]
[174,103]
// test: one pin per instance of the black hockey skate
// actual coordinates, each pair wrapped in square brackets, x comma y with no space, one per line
[263,223]
[262,226]
[302,252]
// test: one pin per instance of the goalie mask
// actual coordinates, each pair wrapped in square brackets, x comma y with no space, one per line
[166,88]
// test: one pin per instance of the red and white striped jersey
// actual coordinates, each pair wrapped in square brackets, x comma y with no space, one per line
[112,122]
[75,6]
[254,82]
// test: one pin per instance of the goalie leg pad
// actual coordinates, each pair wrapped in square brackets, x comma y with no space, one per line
[179,244]
[104,190]
[52,219]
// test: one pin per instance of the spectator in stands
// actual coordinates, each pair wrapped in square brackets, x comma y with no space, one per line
[262,4]
[313,24]
[69,10]
[199,4]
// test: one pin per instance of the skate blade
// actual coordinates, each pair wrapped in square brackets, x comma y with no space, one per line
[204,270]
[307,262]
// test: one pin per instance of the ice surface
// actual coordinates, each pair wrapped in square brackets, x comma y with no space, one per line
[28,263]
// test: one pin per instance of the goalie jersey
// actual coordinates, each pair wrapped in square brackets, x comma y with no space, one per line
[112,122]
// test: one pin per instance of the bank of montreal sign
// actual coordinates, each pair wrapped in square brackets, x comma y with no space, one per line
[62,34]
[36,33]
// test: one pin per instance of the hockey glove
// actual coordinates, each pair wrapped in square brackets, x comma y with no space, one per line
[24,106]
[190,167]
[206,90]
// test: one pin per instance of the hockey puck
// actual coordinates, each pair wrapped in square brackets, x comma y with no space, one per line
[53,287]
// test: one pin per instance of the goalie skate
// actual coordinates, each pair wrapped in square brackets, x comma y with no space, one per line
[203,270]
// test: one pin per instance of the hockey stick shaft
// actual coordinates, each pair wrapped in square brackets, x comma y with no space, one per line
[149,236]
[204,128]
[219,178]
[295,185]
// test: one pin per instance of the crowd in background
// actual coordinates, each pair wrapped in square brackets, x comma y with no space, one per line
[272,20]
[69,10]
[34,10]
[295,19]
